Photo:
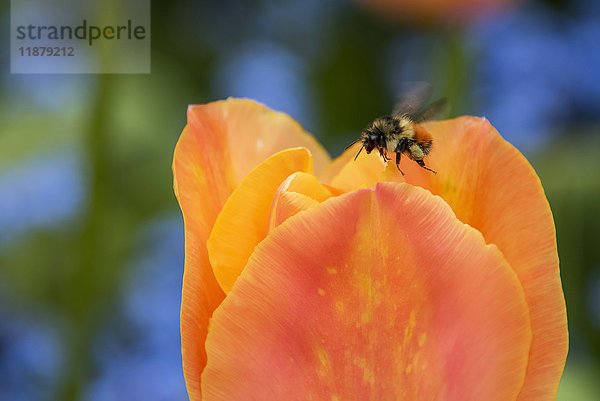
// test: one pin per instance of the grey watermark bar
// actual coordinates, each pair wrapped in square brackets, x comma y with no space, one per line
[80,36]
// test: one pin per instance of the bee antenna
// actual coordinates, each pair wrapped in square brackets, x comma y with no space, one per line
[346,148]
[360,150]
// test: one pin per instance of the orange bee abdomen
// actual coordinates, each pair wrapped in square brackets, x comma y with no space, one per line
[422,136]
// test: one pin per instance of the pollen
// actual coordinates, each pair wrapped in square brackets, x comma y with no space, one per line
[331,271]
[321,291]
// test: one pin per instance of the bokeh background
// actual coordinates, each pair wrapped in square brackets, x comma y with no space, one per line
[91,238]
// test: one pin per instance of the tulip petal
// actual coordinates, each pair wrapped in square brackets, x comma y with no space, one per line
[337,164]
[289,204]
[300,191]
[243,221]
[222,141]
[252,133]
[373,295]
[365,171]
[492,187]
[306,184]
[200,197]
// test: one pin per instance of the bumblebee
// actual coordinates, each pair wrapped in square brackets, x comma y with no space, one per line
[401,132]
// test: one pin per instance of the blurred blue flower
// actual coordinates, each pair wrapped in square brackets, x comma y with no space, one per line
[40,192]
[536,72]
[30,356]
[269,73]
[66,94]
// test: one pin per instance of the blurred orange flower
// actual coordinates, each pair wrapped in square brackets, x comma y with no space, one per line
[437,10]
[307,278]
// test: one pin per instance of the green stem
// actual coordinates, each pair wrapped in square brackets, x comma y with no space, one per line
[81,297]
[457,71]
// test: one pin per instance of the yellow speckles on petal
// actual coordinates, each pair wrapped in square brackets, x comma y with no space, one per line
[368,298]
[397,351]
[331,270]
[366,286]
[412,321]
[339,305]
[321,291]
[335,398]
[368,373]
[368,376]
[408,369]
[361,362]
[325,366]
[322,354]
[422,338]
[366,317]
[415,360]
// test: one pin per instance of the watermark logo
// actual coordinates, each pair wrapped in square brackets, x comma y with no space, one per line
[80,36]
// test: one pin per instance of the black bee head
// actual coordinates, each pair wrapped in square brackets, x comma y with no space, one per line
[371,139]
[369,146]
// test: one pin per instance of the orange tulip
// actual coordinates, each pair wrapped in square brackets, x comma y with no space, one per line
[311,279]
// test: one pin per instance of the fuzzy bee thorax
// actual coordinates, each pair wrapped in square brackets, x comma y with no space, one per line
[401,133]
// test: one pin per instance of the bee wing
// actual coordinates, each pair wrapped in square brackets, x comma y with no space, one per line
[412,99]
[433,111]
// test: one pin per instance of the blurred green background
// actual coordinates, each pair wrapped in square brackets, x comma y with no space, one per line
[91,240]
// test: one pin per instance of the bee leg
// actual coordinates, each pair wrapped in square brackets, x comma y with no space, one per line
[422,164]
[383,155]
[398,154]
